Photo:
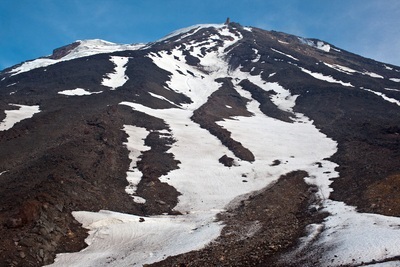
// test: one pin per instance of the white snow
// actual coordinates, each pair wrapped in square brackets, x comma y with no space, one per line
[15,116]
[283,42]
[397,80]
[318,44]
[12,84]
[3,172]
[162,98]
[117,78]
[85,48]
[323,77]
[77,92]
[357,237]
[322,46]
[341,68]
[135,145]
[390,89]
[248,29]
[373,75]
[350,71]
[387,67]
[279,52]
[389,99]
[258,56]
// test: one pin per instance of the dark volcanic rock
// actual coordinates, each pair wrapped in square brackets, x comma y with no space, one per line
[63,51]
[226,161]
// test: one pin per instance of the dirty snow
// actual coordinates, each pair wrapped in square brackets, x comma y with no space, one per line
[135,145]
[15,116]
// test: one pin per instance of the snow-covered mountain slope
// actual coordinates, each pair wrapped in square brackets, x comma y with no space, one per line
[217,145]
[75,50]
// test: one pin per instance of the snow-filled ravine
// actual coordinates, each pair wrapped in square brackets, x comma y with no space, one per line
[207,186]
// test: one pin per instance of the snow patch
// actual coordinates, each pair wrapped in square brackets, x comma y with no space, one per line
[15,116]
[389,99]
[283,42]
[249,29]
[397,80]
[390,89]
[387,67]
[135,145]
[373,75]
[77,92]
[355,238]
[279,52]
[323,77]
[341,68]
[258,56]
[317,44]
[162,98]
[322,46]
[118,239]
[12,84]
[117,78]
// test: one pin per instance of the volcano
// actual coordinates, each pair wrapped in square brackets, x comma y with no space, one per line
[217,145]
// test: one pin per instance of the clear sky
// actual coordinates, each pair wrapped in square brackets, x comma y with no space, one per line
[33,28]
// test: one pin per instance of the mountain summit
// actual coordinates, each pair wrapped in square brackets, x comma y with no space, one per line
[217,145]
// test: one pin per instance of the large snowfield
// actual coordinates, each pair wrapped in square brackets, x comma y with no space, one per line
[207,187]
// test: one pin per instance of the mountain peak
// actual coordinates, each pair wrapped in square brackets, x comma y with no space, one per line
[190,30]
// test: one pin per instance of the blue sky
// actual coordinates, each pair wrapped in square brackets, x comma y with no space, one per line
[33,28]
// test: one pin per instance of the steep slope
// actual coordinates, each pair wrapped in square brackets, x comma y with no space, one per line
[226,134]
